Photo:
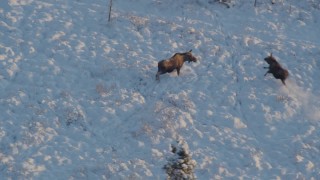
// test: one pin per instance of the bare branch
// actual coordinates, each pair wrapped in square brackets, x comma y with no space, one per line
[110,8]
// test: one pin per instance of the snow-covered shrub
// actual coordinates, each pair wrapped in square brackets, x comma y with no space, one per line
[314,4]
[181,165]
[73,115]
[138,22]
[228,3]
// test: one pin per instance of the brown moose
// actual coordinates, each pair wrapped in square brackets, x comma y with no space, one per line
[275,69]
[175,62]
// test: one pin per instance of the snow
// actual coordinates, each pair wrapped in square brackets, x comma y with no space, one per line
[79,99]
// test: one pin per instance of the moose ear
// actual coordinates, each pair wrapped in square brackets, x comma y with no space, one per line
[270,54]
[190,50]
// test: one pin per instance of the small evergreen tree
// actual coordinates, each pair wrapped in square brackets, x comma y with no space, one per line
[180,166]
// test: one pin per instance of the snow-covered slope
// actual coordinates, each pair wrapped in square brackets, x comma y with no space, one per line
[79,100]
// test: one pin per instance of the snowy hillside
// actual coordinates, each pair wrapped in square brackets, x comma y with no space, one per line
[79,99]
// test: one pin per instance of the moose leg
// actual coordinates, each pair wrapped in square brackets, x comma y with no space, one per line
[267,73]
[283,81]
[158,76]
[178,71]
